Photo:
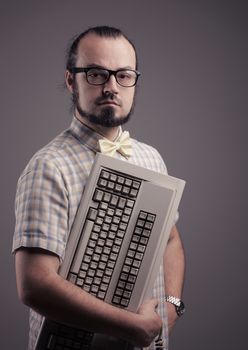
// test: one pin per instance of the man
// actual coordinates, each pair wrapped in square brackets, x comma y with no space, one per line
[101,76]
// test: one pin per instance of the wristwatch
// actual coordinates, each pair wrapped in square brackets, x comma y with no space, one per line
[179,305]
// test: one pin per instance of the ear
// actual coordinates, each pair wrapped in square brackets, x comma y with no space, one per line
[69,81]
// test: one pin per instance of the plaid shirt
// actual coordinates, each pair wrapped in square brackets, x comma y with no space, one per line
[49,191]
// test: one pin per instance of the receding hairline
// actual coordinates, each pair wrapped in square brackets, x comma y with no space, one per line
[103,32]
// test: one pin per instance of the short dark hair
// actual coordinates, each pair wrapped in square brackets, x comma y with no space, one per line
[102,31]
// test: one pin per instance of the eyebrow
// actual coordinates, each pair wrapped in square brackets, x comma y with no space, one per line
[92,65]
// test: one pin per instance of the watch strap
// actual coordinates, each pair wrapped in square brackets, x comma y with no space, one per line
[179,305]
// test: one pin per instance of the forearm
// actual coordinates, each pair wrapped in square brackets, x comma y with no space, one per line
[174,270]
[68,304]
[174,265]
[41,288]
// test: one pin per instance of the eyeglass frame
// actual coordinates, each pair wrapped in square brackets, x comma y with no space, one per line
[75,70]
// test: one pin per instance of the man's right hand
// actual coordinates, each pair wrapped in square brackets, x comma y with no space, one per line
[150,323]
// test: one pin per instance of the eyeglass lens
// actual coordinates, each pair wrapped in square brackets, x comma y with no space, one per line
[124,77]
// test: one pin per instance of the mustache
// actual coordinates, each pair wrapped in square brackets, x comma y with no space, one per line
[106,98]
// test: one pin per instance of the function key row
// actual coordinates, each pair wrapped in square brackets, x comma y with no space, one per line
[118,183]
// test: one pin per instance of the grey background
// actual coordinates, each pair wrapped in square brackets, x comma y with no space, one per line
[191,105]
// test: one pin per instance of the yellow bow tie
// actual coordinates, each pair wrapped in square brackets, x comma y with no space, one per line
[122,145]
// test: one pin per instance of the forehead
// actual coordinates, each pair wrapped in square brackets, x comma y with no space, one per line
[112,53]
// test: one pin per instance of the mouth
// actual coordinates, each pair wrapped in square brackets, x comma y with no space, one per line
[109,102]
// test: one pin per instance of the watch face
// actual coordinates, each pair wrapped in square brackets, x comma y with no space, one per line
[180,309]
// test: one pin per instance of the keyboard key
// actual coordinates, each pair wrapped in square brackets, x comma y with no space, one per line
[107,197]
[116,300]
[143,215]
[133,246]
[103,206]
[113,177]
[129,286]
[111,264]
[126,268]
[96,228]
[116,220]
[92,214]
[136,263]
[105,174]
[118,188]
[118,241]
[114,227]
[133,192]
[91,272]
[148,225]
[79,282]
[125,190]
[127,294]
[130,203]
[101,295]
[146,233]
[139,256]
[108,272]
[122,203]
[138,230]
[110,212]
[113,256]
[143,240]
[124,302]
[134,271]
[136,185]
[120,233]
[102,182]
[72,278]
[128,261]
[118,212]
[104,287]
[140,223]
[114,200]
[127,211]
[97,281]
[141,248]
[121,284]
[125,218]
[98,195]
[151,217]
[128,182]
[94,288]
[116,249]
[101,213]
[119,292]
[120,180]
[135,238]
[110,185]
[106,279]
[123,226]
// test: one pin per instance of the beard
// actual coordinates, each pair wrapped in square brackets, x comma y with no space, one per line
[106,117]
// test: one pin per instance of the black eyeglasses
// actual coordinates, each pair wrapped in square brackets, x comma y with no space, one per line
[100,76]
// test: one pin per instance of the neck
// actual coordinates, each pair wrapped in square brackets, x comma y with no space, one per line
[108,133]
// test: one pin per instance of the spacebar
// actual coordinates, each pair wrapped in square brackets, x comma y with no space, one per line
[80,252]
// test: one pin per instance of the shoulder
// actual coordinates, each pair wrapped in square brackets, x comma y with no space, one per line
[58,154]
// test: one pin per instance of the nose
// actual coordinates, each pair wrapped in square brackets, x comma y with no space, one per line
[111,86]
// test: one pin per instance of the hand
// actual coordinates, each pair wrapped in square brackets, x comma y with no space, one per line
[150,323]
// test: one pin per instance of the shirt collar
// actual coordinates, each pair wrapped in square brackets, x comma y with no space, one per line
[86,135]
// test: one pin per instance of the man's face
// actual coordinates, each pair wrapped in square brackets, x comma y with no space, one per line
[110,104]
